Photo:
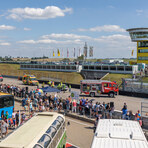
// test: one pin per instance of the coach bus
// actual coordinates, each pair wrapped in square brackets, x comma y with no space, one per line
[117,133]
[44,130]
[6,104]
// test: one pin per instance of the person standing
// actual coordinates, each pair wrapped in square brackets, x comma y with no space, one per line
[7,116]
[35,104]
[124,111]
[23,104]
[13,118]
[17,118]
[69,88]
[4,128]
[2,115]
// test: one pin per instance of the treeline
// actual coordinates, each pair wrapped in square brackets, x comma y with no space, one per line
[44,57]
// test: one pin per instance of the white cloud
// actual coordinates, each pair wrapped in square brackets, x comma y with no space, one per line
[27,29]
[48,41]
[139,11]
[65,36]
[27,42]
[115,37]
[5,44]
[37,13]
[5,27]
[111,6]
[105,28]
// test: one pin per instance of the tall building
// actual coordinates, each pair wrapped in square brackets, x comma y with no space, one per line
[140,35]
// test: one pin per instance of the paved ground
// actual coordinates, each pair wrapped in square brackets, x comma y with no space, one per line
[81,133]
[133,103]
[78,132]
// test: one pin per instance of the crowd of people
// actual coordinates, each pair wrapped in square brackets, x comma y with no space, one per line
[33,101]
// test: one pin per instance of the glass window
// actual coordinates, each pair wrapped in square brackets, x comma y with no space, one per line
[143,44]
[51,131]
[143,51]
[110,85]
[56,124]
[59,118]
[84,87]
[115,85]
[7,101]
[105,84]
[44,141]
[37,146]
[1,103]
[142,58]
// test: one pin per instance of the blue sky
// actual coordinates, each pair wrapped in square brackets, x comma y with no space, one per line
[37,27]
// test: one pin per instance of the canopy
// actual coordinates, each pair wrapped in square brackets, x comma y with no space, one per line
[49,89]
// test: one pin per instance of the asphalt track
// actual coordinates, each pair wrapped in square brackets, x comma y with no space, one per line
[80,133]
[133,103]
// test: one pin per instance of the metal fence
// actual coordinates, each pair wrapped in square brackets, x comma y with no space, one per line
[134,85]
[144,108]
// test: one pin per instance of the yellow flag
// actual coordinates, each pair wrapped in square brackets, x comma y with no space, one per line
[132,52]
[53,54]
[58,53]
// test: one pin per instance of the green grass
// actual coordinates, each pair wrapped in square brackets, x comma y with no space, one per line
[145,79]
[65,77]
[117,77]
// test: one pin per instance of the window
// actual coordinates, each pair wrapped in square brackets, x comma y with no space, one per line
[105,84]
[142,58]
[110,85]
[143,44]
[6,102]
[143,51]
[37,146]
[115,85]
[59,118]
[56,124]
[44,141]
[51,131]
[84,87]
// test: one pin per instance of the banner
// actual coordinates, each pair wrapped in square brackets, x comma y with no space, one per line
[91,51]
[85,50]
[53,54]
[74,52]
[132,52]
[67,53]
[58,53]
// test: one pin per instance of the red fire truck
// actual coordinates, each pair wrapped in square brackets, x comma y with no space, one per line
[98,87]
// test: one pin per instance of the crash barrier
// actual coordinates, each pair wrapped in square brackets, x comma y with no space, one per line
[133,94]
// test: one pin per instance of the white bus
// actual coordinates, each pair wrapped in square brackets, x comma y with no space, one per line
[115,133]
[44,130]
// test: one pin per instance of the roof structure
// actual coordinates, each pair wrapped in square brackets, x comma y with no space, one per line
[111,133]
[138,34]
[30,132]
[94,81]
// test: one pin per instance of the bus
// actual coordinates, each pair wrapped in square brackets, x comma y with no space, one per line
[117,133]
[44,130]
[6,104]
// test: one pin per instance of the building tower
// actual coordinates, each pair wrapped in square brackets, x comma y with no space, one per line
[140,35]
